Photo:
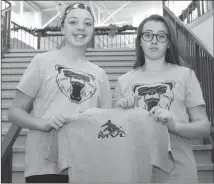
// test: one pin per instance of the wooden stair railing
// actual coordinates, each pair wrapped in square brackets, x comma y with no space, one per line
[194,10]
[5,26]
[199,59]
[201,7]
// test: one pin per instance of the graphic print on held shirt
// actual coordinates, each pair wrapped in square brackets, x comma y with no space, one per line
[158,94]
[76,86]
[109,129]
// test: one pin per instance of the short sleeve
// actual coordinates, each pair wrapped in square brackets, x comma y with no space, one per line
[193,93]
[117,93]
[105,92]
[31,80]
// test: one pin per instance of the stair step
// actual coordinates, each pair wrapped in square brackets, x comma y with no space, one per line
[108,70]
[99,57]
[23,132]
[11,78]
[208,167]
[21,139]
[4,116]
[118,59]
[106,52]
[202,157]
[17,77]
[203,160]
[12,86]
[19,156]
[19,60]
[99,63]
[11,94]
[203,176]
[18,176]
[5,125]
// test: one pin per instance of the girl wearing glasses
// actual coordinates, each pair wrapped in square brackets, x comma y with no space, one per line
[170,92]
[55,85]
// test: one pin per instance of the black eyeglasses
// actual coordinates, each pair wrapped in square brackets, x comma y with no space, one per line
[161,37]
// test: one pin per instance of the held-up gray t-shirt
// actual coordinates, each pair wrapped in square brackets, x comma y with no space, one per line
[111,145]
[59,87]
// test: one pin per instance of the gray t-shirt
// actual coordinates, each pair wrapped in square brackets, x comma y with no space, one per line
[58,87]
[175,89]
[111,145]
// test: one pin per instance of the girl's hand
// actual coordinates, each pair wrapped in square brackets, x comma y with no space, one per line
[55,122]
[165,117]
[127,103]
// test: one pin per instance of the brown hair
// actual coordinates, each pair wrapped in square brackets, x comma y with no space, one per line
[172,53]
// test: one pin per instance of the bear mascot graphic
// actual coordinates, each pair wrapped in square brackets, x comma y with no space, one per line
[76,86]
[157,94]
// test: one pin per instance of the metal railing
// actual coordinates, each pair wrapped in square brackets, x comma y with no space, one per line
[198,58]
[51,38]
[193,11]
[5,25]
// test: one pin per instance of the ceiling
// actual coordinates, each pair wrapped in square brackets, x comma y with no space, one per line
[105,12]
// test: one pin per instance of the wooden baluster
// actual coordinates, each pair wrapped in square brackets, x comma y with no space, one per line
[93,42]
[183,15]
[202,3]
[188,15]
[198,8]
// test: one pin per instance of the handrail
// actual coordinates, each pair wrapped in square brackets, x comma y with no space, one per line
[5,29]
[187,13]
[202,62]
[23,28]
[190,33]
[7,153]
[9,140]
[6,9]
[194,10]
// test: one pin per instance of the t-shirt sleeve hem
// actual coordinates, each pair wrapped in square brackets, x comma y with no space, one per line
[195,104]
[24,91]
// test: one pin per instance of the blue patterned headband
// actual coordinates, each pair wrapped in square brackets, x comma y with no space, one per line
[75,6]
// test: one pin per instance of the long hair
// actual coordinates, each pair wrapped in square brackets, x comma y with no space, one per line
[172,53]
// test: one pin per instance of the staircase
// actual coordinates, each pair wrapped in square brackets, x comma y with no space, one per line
[115,62]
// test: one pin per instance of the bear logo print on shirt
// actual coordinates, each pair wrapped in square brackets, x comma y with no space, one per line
[111,130]
[76,86]
[157,94]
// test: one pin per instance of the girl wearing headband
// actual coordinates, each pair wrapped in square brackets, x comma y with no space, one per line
[170,93]
[55,85]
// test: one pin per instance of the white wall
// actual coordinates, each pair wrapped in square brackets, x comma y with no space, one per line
[202,27]
[28,19]
[146,9]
